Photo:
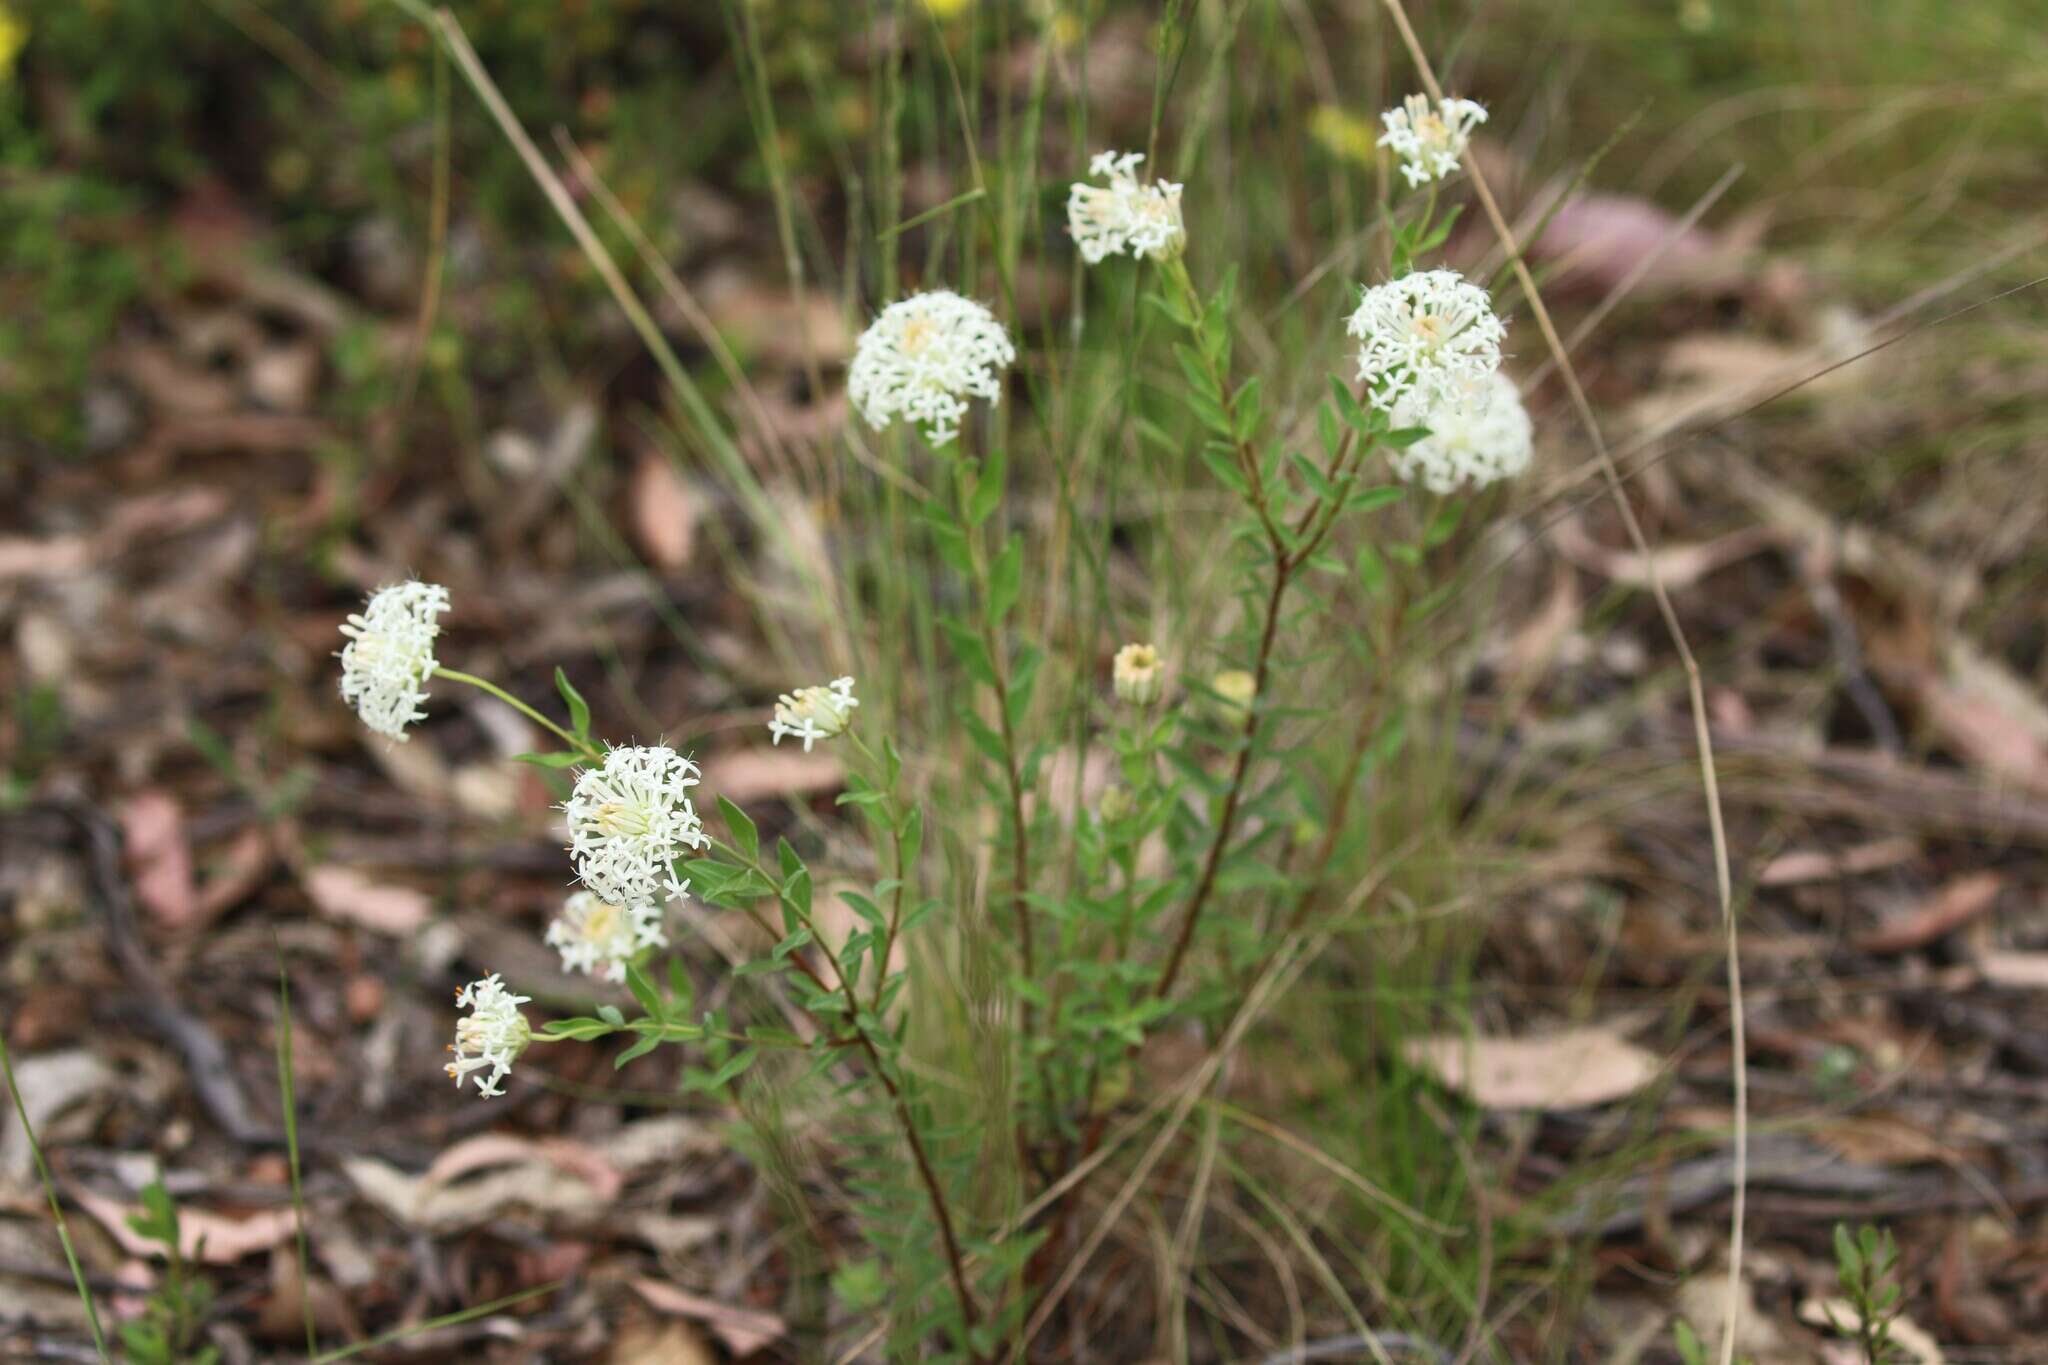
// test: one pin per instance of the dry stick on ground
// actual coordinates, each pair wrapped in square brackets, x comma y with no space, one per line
[1695,694]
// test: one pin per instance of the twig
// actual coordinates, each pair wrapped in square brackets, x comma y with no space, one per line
[1723,881]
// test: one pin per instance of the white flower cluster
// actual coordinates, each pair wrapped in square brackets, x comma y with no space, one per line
[598,938]
[1128,216]
[390,655]
[814,713]
[491,1038]
[923,358]
[1475,444]
[1429,335]
[1430,141]
[630,820]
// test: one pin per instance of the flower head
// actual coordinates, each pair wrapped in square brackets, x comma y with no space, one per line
[390,655]
[1430,141]
[923,358]
[814,713]
[1138,675]
[598,938]
[491,1038]
[1234,689]
[1129,215]
[1475,443]
[630,820]
[1430,334]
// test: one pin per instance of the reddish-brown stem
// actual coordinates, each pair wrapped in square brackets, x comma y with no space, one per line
[956,1264]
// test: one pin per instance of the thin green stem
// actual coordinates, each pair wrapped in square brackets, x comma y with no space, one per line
[288,1100]
[92,1316]
[581,746]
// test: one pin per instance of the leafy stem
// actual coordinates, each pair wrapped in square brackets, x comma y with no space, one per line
[581,745]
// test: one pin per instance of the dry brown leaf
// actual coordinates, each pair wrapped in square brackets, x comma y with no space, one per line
[503,1149]
[1989,715]
[665,512]
[423,1202]
[743,1330]
[243,867]
[771,322]
[348,895]
[1941,914]
[1601,240]
[659,1343]
[1818,865]
[1570,1069]
[1703,1302]
[753,774]
[1680,566]
[24,557]
[2025,971]
[1907,1335]
[50,1083]
[159,863]
[213,1238]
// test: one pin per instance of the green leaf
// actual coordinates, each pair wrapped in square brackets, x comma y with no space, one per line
[1246,406]
[734,1065]
[579,1030]
[579,709]
[1347,406]
[988,489]
[969,650]
[1006,579]
[611,1015]
[645,1044]
[913,838]
[680,986]
[644,991]
[773,1037]
[556,760]
[796,893]
[1405,437]
[1224,466]
[746,837]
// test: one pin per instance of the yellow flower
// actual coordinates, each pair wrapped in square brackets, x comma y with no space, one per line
[946,9]
[1342,134]
[13,37]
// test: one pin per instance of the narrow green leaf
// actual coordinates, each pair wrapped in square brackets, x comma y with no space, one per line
[746,837]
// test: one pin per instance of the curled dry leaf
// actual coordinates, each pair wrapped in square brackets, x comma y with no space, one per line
[1819,865]
[743,1330]
[665,512]
[1571,1069]
[1948,910]
[502,1149]
[1680,566]
[153,839]
[214,1238]
[2022,971]
[348,895]
[754,774]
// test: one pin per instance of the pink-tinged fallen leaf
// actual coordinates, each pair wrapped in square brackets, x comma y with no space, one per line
[1680,566]
[754,774]
[159,863]
[1948,910]
[1571,1069]
[240,870]
[1988,715]
[1600,241]
[23,557]
[743,1330]
[349,895]
[2021,970]
[506,1149]
[665,512]
[213,1238]
[1818,865]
